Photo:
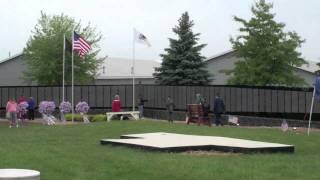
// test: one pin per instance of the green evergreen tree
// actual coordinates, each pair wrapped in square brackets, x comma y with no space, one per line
[183,64]
[269,54]
[44,52]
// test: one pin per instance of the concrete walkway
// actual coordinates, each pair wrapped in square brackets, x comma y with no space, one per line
[172,142]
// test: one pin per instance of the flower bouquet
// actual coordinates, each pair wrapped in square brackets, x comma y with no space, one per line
[46,108]
[65,107]
[82,107]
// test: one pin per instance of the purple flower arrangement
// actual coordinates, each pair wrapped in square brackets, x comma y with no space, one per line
[65,107]
[22,107]
[47,107]
[82,107]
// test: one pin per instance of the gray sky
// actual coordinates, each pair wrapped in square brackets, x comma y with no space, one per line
[156,18]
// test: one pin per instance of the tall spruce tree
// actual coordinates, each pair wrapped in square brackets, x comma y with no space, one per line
[268,54]
[183,64]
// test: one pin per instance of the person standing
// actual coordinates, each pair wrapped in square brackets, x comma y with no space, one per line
[11,109]
[170,106]
[116,104]
[21,115]
[199,99]
[31,107]
[141,102]
[21,99]
[218,109]
[206,108]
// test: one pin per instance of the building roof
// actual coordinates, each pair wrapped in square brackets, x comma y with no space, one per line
[120,68]
[117,68]
[11,57]
[220,54]
[310,66]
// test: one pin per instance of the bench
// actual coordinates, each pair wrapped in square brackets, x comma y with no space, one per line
[196,115]
[134,114]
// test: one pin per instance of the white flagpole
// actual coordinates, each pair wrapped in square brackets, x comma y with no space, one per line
[311,108]
[72,81]
[63,66]
[133,70]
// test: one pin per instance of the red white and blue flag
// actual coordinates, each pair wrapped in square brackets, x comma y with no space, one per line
[80,45]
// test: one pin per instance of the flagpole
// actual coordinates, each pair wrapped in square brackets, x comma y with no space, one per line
[72,78]
[63,66]
[311,108]
[133,70]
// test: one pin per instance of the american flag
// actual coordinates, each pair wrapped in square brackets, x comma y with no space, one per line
[80,45]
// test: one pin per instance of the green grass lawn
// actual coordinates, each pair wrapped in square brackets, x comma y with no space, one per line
[74,152]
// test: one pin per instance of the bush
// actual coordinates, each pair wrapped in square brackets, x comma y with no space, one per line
[77,117]
[92,118]
[98,117]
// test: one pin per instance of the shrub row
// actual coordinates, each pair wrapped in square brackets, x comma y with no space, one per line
[92,118]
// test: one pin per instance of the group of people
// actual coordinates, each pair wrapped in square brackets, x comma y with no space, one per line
[13,112]
[218,106]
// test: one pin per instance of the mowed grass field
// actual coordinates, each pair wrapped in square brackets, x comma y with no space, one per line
[73,152]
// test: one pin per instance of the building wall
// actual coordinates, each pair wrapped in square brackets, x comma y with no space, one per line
[227,62]
[308,77]
[124,81]
[216,66]
[11,72]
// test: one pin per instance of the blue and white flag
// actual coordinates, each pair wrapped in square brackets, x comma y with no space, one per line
[141,38]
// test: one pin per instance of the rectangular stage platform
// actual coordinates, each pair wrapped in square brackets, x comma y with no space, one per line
[171,142]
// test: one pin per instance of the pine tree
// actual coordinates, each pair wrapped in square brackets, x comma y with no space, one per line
[183,64]
[269,54]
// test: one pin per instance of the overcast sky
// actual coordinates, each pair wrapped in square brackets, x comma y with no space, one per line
[156,18]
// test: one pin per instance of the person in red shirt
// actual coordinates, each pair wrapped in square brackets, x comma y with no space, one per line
[21,99]
[116,104]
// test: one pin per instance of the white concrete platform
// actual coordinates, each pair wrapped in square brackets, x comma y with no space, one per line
[19,174]
[171,142]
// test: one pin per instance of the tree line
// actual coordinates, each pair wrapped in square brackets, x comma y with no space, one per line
[268,53]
